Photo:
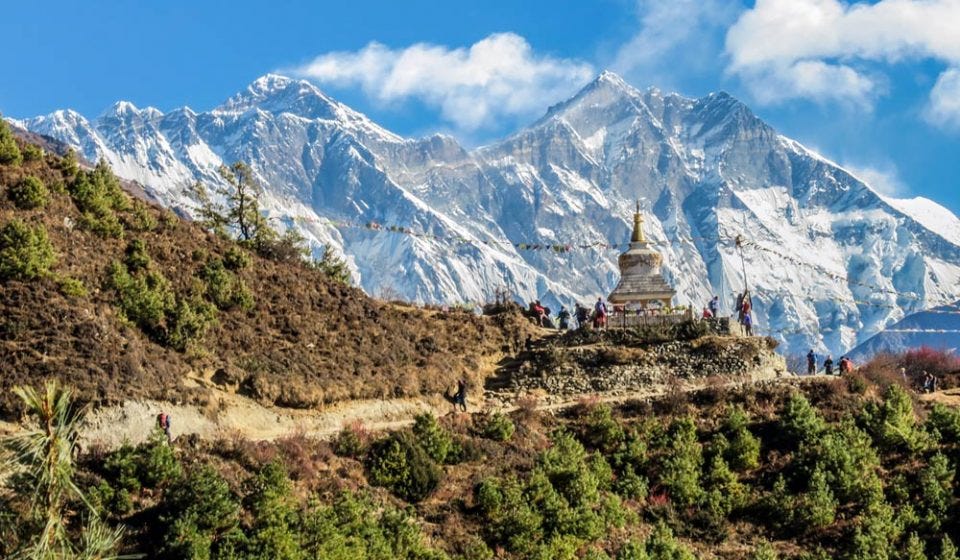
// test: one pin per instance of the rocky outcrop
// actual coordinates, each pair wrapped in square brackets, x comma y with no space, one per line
[561,369]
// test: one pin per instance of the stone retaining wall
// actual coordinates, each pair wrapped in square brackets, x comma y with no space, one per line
[613,369]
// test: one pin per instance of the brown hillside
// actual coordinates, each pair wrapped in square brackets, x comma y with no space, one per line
[306,340]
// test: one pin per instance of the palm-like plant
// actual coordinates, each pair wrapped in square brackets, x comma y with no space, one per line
[38,466]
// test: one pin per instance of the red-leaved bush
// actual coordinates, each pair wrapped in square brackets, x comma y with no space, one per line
[931,360]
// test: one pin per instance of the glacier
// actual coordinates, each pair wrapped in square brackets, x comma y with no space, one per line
[829,261]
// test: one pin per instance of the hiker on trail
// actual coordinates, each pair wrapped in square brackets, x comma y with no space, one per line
[714,306]
[599,314]
[460,398]
[929,383]
[828,365]
[846,365]
[163,422]
[539,313]
[564,317]
[748,324]
[740,308]
[583,316]
[811,362]
[707,314]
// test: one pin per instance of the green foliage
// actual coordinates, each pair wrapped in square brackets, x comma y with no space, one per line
[349,443]
[270,501]
[225,288]
[142,219]
[943,423]
[355,528]
[9,152]
[401,465]
[188,323]
[136,257]
[914,549]
[661,545]
[936,492]
[28,193]
[566,465]
[876,535]
[816,508]
[509,518]
[722,492]
[498,427]
[743,453]
[683,458]
[333,266]
[764,552]
[236,259]
[197,515]
[25,252]
[600,430]
[71,287]
[632,550]
[32,152]
[846,456]
[147,299]
[947,549]
[800,422]
[98,195]
[892,423]
[432,437]
[68,165]
[157,465]
[39,488]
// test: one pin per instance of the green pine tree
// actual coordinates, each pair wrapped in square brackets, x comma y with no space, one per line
[9,151]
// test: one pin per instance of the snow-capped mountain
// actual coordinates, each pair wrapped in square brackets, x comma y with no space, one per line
[937,328]
[828,260]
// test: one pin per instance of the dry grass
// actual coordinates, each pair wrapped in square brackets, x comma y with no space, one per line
[307,341]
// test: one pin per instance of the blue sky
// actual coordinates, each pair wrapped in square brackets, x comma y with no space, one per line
[874,86]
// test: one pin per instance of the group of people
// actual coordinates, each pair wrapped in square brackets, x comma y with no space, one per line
[582,315]
[844,366]
[712,309]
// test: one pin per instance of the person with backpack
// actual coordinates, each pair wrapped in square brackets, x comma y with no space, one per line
[599,314]
[828,366]
[714,306]
[811,362]
[564,318]
[163,422]
[747,305]
[583,316]
[460,398]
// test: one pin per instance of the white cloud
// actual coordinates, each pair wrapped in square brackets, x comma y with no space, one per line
[474,88]
[944,109]
[883,178]
[820,49]
[674,36]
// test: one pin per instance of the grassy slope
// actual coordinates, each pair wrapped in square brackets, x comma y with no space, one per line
[306,341]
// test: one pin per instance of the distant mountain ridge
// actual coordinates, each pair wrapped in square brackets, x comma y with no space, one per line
[937,328]
[707,169]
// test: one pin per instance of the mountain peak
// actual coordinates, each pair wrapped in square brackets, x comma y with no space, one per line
[612,78]
[271,83]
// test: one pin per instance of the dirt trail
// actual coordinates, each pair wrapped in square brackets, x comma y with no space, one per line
[233,415]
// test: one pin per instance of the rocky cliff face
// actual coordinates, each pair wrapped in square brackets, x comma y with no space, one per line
[830,262]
